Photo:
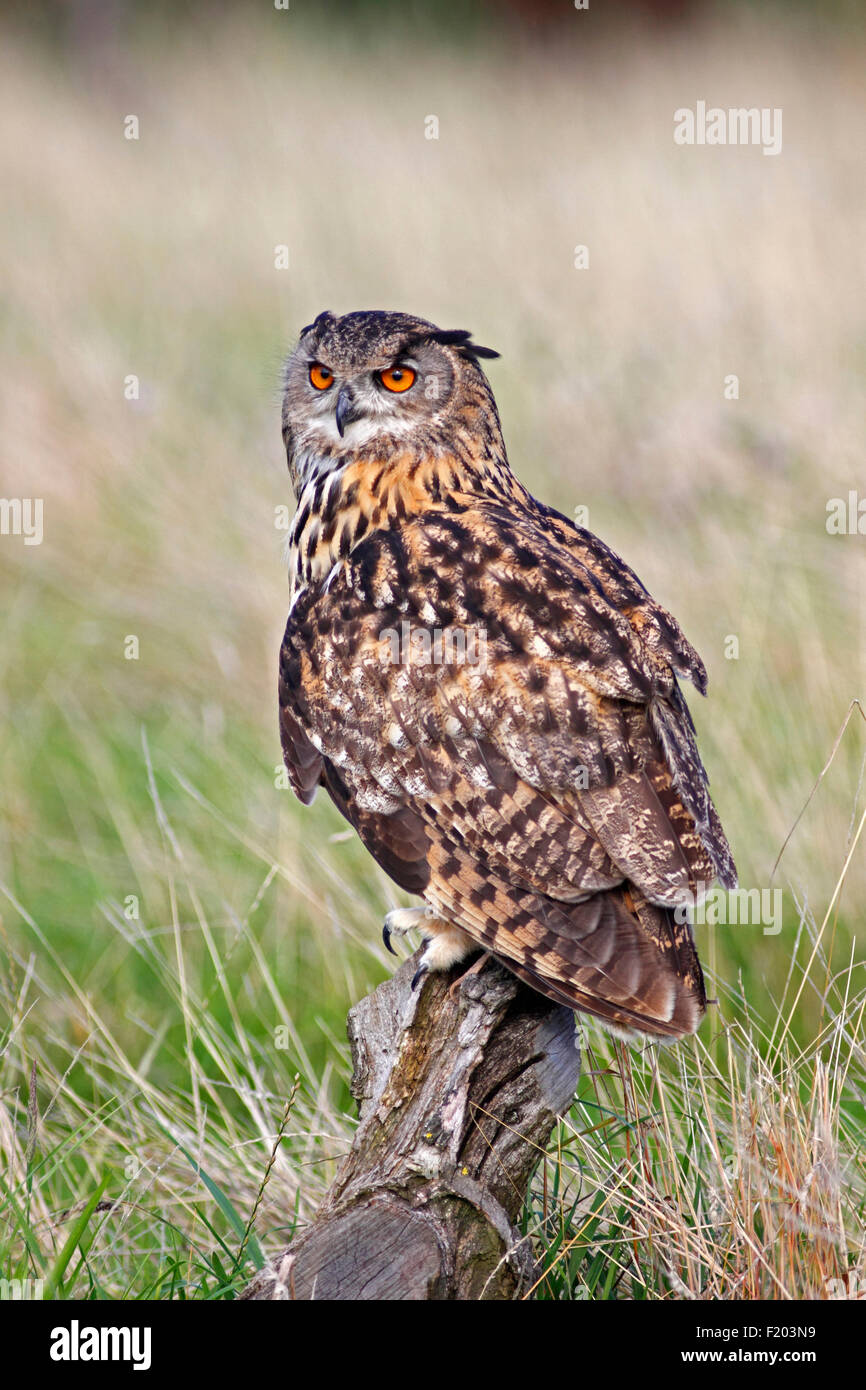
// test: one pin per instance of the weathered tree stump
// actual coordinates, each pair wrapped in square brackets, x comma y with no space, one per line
[458,1094]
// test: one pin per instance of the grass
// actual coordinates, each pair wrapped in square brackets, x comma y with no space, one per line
[734,1170]
[179,940]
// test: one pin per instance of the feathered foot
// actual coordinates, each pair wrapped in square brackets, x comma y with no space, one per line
[445,944]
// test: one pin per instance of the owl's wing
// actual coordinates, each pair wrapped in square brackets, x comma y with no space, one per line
[520,786]
[659,632]
[570,679]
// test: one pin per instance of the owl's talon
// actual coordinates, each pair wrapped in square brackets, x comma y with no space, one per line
[401,920]
[442,944]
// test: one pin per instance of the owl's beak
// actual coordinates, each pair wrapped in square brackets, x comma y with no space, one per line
[347,410]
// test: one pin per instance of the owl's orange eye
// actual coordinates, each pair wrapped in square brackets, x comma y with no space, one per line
[397,378]
[321,377]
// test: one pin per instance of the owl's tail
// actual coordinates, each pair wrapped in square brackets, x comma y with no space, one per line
[625,961]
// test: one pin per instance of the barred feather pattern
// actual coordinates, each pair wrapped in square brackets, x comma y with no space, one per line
[547,796]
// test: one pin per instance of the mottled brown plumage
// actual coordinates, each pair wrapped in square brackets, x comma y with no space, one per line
[486,691]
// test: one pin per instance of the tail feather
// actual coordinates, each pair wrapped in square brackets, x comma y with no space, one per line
[662,994]
[626,961]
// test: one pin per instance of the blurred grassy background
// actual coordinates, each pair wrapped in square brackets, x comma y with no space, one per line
[154,778]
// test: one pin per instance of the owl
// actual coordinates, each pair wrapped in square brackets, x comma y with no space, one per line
[485,690]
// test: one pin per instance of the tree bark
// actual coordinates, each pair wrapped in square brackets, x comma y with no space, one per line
[458,1091]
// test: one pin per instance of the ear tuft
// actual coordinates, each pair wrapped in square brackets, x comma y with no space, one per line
[461,338]
[317,322]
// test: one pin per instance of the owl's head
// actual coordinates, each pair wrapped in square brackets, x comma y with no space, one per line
[377,382]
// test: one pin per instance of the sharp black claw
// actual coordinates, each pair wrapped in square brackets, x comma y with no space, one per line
[386,937]
[418,976]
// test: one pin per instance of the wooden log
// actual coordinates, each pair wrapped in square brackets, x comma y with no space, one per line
[458,1091]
